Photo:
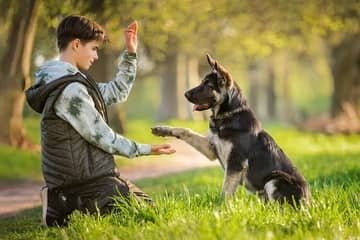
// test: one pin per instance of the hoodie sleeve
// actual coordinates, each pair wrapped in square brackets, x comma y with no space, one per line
[76,106]
[118,89]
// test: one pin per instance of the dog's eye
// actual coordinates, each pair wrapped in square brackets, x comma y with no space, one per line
[210,85]
[221,81]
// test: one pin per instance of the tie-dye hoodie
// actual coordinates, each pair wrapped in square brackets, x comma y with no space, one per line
[75,105]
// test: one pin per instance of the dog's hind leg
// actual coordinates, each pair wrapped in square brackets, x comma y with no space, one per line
[269,189]
[285,189]
[197,141]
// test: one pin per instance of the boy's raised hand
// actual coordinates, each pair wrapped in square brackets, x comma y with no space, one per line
[131,37]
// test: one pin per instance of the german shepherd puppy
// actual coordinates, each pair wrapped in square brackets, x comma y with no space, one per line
[247,153]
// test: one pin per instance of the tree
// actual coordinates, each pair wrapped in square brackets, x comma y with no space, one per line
[338,23]
[260,29]
[346,74]
[19,20]
[15,71]
[175,35]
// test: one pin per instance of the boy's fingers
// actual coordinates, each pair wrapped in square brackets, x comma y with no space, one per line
[163,149]
[162,146]
[133,27]
[167,151]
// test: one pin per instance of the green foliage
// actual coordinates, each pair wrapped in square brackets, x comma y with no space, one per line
[235,32]
[165,27]
[256,27]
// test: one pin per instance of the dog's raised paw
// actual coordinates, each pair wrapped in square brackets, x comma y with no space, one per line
[161,131]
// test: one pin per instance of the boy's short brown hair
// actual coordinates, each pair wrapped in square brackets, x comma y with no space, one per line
[80,27]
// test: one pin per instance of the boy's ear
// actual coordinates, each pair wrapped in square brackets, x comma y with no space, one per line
[75,43]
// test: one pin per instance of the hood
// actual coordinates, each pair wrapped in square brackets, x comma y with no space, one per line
[53,70]
[45,82]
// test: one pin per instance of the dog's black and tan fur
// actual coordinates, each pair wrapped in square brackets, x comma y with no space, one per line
[248,154]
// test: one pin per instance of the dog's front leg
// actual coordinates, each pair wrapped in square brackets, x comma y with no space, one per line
[232,179]
[199,142]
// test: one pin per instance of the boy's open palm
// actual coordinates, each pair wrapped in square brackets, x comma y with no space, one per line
[131,37]
[162,149]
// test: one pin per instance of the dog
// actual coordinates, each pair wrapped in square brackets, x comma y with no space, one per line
[246,152]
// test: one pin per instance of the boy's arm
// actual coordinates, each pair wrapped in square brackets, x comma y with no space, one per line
[118,89]
[76,107]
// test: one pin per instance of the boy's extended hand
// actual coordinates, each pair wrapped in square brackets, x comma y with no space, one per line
[162,149]
[131,37]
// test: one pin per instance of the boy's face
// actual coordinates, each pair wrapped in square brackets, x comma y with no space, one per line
[86,54]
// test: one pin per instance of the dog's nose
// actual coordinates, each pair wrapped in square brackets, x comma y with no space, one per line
[187,95]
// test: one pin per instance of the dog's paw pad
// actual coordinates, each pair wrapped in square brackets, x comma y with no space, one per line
[161,131]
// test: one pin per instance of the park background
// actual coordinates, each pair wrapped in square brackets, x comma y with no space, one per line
[298,63]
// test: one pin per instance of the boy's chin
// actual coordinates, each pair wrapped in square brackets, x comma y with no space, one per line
[85,68]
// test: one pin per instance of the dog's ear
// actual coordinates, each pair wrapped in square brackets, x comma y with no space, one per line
[211,61]
[228,78]
[220,69]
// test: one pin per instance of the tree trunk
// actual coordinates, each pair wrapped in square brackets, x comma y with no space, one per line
[270,91]
[287,101]
[253,76]
[15,72]
[261,89]
[346,75]
[180,72]
[167,107]
[346,97]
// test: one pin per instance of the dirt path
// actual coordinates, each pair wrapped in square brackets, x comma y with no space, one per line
[18,196]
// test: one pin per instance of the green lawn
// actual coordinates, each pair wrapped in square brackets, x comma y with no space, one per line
[189,207]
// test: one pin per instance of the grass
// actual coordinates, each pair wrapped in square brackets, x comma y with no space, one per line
[19,165]
[189,207]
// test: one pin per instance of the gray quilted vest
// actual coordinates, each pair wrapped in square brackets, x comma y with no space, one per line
[67,158]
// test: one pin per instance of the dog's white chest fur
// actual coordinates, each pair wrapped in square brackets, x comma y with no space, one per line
[223,148]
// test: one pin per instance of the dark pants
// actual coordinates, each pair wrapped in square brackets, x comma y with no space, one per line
[95,196]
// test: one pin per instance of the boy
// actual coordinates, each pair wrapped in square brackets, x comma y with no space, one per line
[77,143]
